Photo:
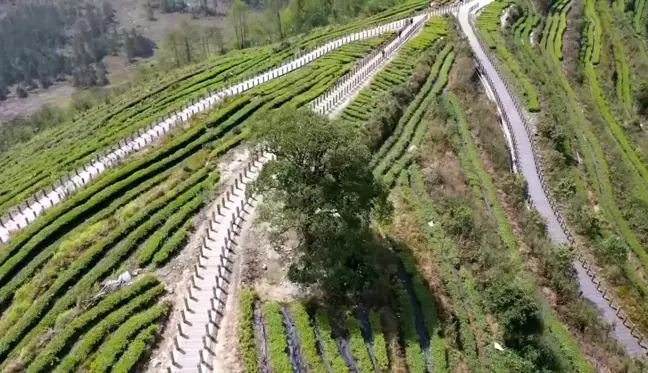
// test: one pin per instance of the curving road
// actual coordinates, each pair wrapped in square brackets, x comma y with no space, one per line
[527,165]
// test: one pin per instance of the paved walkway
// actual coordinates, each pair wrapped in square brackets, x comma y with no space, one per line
[527,165]
[205,299]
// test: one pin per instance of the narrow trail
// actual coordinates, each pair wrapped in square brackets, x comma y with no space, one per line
[528,167]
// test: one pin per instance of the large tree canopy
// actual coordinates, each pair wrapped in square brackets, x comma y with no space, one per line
[320,186]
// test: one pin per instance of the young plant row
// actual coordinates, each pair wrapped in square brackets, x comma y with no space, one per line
[429,310]
[277,339]
[379,343]
[357,345]
[407,326]
[247,341]
[307,339]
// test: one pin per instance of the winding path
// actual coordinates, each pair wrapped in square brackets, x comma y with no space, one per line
[527,165]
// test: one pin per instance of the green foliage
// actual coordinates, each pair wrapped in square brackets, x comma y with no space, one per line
[329,347]
[247,342]
[429,310]
[379,343]
[102,258]
[136,349]
[403,73]
[117,343]
[307,339]
[406,320]
[357,345]
[415,128]
[321,187]
[93,337]
[639,16]
[48,355]
[488,22]
[277,340]
[155,244]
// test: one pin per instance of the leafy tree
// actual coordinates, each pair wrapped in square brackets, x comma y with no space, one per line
[238,17]
[274,8]
[321,188]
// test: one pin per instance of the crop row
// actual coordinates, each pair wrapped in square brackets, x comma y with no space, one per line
[407,326]
[116,344]
[25,253]
[429,310]
[391,14]
[594,33]
[307,339]
[114,183]
[21,180]
[48,355]
[377,158]
[247,342]
[397,71]
[593,157]
[639,16]
[413,131]
[106,254]
[136,350]
[329,347]
[446,254]
[277,340]
[466,144]
[620,60]
[357,345]
[77,352]
[379,343]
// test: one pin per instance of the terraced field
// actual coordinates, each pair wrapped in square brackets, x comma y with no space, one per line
[472,279]
[585,163]
[136,216]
